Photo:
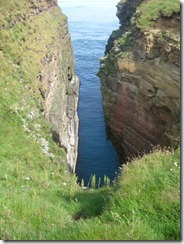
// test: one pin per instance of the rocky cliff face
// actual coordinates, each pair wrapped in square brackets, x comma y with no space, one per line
[36,47]
[140,77]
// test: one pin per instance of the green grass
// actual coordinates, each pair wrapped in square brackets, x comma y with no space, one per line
[33,170]
[144,204]
[39,198]
[152,10]
[151,193]
[12,12]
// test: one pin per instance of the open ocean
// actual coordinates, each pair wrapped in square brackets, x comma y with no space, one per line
[90,25]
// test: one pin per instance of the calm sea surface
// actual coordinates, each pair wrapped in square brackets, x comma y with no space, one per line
[90,24]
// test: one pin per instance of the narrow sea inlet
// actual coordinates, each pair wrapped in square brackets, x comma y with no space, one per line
[90,24]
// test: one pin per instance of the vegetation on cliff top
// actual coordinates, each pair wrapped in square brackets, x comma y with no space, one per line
[147,13]
[150,11]
[12,11]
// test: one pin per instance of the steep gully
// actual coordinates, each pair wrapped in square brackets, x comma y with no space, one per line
[140,89]
[140,80]
[96,155]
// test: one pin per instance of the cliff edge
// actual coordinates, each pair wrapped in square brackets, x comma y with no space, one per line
[38,81]
[140,77]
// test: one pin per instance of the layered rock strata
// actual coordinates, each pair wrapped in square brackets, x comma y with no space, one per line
[60,90]
[36,46]
[140,82]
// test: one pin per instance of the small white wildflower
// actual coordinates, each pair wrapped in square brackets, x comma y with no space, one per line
[175,164]
[34,137]
[15,108]
[44,142]
[30,117]
[171,169]
[37,127]
[5,177]
[51,155]
[27,178]
[64,184]
[25,128]
[23,120]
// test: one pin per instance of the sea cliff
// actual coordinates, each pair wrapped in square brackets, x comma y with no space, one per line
[39,197]
[38,81]
[140,77]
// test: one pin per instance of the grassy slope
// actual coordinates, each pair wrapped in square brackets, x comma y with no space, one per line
[39,198]
[32,166]
[144,205]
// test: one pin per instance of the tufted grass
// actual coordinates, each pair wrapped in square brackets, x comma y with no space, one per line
[144,204]
[40,199]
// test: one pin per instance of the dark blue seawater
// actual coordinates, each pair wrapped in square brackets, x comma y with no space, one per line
[90,24]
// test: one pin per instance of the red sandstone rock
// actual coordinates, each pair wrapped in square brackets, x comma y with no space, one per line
[141,88]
